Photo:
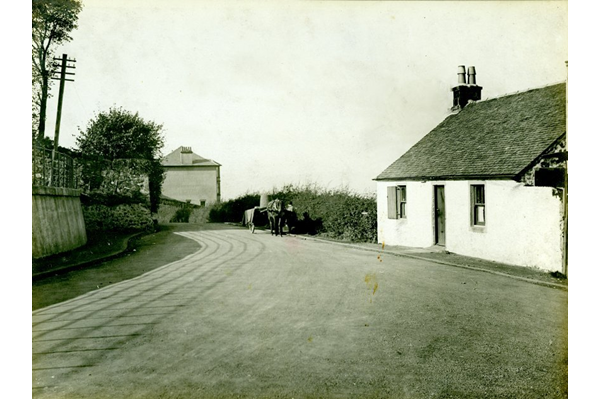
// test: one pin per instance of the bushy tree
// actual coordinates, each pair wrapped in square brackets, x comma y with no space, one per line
[117,148]
[52,22]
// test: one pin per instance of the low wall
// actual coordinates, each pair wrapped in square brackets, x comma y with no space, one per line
[57,221]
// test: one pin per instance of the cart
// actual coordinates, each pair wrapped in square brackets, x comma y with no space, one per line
[255,216]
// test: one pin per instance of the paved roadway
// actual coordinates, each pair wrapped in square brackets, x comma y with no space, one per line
[251,315]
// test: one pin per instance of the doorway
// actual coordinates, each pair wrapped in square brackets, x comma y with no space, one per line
[440,215]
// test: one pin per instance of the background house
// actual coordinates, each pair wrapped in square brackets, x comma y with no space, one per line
[487,182]
[190,177]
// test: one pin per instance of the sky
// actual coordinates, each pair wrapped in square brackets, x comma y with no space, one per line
[326,93]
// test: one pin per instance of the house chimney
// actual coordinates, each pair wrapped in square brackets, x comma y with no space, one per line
[186,155]
[463,93]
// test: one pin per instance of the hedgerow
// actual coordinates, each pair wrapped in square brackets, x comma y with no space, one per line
[120,218]
[232,210]
[335,213]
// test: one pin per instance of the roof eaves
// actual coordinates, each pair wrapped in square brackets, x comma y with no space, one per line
[449,178]
[193,165]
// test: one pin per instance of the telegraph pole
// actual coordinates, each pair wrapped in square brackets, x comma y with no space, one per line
[62,79]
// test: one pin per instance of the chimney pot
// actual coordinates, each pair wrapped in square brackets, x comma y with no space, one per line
[461,75]
[472,80]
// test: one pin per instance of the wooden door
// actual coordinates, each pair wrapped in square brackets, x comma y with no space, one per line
[440,216]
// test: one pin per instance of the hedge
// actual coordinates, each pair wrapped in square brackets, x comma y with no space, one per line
[120,218]
[335,213]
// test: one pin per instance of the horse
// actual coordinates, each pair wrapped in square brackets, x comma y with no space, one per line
[276,214]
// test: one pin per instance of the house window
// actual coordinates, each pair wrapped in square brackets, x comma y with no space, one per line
[396,202]
[202,203]
[478,205]
[401,190]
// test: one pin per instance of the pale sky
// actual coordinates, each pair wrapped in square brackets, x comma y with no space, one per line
[301,92]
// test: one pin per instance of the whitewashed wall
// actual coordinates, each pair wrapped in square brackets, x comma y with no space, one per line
[417,229]
[523,224]
[191,183]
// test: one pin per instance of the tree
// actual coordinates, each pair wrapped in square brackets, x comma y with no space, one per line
[52,23]
[117,148]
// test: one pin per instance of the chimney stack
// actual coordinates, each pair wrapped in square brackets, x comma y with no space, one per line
[464,93]
[186,155]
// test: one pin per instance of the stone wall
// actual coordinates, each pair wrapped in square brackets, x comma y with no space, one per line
[554,157]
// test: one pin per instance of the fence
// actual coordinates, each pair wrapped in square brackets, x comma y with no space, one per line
[52,169]
[57,218]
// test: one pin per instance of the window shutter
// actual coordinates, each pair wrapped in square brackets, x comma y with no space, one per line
[391,202]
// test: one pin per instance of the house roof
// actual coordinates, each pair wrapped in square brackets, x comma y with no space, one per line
[173,159]
[495,138]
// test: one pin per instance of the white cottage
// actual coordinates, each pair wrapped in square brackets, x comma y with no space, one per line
[488,182]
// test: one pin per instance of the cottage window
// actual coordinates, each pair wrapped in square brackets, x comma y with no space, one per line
[401,190]
[396,202]
[202,203]
[478,205]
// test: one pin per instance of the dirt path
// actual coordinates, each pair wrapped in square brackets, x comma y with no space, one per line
[257,316]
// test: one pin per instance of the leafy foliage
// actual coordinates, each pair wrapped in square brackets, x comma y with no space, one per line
[120,134]
[120,218]
[52,22]
[335,213]
[232,210]
[167,213]
[114,199]
[183,213]
[119,150]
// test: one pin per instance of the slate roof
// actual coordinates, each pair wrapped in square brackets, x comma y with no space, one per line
[496,138]
[173,159]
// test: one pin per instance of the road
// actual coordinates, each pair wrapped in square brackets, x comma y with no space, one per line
[251,315]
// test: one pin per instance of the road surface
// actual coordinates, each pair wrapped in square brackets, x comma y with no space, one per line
[251,315]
